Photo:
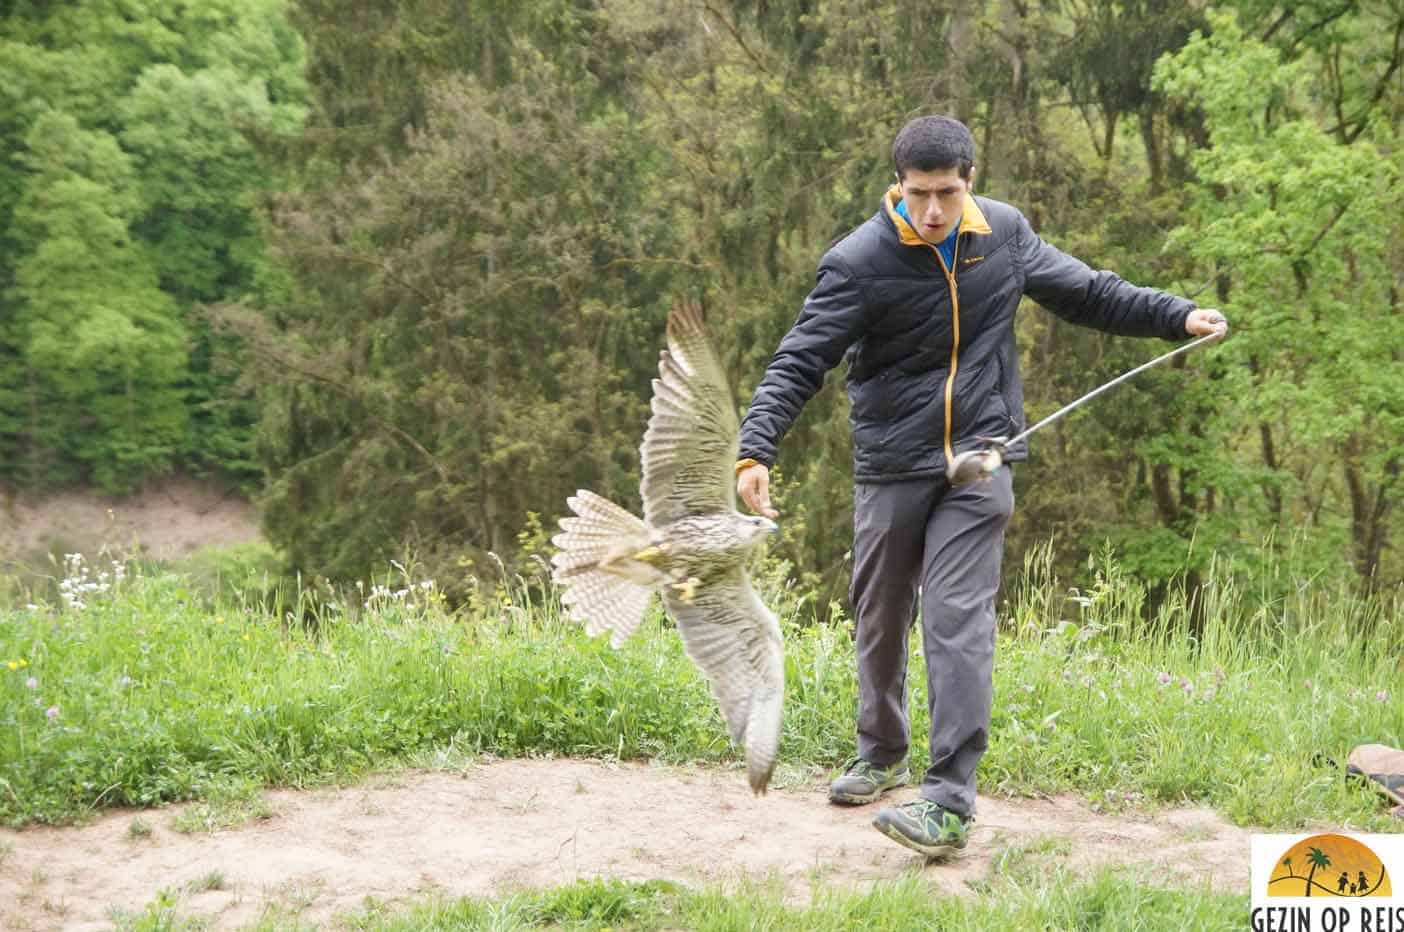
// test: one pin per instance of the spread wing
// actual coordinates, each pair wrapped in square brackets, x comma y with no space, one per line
[689,449]
[735,641]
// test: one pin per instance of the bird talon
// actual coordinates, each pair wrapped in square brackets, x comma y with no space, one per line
[687,589]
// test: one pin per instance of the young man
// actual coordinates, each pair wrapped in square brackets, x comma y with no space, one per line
[922,297]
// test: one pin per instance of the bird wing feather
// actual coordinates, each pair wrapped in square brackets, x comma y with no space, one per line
[735,641]
[689,448]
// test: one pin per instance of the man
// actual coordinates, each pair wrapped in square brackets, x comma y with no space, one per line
[922,297]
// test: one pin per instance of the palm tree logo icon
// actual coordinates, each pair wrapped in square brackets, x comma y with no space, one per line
[1308,868]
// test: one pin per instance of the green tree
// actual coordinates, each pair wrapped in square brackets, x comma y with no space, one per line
[183,89]
[472,331]
[1299,223]
[100,341]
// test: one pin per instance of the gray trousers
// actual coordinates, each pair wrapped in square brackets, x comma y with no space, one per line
[950,542]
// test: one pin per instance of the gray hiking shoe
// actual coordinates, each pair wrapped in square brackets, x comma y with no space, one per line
[926,827]
[863,782]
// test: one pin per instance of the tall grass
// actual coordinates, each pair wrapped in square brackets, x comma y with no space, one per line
[140,690]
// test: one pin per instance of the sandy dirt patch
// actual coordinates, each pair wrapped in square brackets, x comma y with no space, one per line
[504,825]
[165,522]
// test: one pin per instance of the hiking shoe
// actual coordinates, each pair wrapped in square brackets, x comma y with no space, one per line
[924,826]
[863,782]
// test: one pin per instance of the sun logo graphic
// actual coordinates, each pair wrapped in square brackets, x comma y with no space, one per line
[1326,883]
[1329,865]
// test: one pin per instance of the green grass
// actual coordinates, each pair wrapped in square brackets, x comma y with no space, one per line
[1052,901]
[151,693]
[223,805]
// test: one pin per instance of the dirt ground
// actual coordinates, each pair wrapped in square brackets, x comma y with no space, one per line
[166,522]
[496,826]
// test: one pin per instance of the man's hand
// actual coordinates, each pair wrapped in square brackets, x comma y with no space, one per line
[1204,321]
[753,485]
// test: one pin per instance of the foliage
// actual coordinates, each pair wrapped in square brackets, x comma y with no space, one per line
[95,323]
[128,690]
[1303,225]
[446,318]
[129,171]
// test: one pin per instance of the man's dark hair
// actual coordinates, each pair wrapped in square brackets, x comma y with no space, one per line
[933,143]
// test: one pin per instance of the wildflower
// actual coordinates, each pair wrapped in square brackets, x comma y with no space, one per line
[1186,685]
[52,712]
[31,683]
[125,681]
[1306,684]
[1382,695]
[13,665]
[1220,675]
[1163,678]
[23,663]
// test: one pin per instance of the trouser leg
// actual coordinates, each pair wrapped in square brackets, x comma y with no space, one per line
[964,548]
[889,529]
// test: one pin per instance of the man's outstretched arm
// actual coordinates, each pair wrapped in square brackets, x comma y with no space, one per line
[833,317]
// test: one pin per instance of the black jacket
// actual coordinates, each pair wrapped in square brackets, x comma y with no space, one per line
[933,365]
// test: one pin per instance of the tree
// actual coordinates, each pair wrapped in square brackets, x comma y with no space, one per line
[1289,216]
[101,342]
[182,89]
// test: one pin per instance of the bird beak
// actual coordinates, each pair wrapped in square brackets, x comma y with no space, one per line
[769,526]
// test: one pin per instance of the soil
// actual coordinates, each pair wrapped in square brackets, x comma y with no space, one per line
[501,825]
[165,522]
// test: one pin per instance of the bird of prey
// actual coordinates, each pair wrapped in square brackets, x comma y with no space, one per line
[691,547]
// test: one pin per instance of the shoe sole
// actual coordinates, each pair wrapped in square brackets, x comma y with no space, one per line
[854,799]
[934,852]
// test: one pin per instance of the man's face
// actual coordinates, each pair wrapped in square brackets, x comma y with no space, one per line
[934,200]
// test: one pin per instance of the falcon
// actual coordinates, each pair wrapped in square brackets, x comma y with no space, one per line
[691,547]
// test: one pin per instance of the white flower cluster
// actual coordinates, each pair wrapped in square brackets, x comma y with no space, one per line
[79,584]
[384,595]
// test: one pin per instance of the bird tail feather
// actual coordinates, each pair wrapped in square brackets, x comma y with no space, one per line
[600,533]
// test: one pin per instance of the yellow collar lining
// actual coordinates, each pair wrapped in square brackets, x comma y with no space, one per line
[972,219]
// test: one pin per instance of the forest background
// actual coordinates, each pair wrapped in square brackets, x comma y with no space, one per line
[399,270]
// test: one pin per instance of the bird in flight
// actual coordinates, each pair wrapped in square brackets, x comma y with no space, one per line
[691,547]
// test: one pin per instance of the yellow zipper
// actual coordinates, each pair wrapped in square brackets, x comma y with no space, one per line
[955,335]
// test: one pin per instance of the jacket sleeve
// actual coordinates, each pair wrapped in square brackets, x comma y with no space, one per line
[832,319]
[1098,299]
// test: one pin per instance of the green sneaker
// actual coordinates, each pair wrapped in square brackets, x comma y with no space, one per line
[863,782]
[926,827]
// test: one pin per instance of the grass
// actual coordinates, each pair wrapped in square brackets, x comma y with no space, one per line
[225,804]
[135,689]
[1027,899]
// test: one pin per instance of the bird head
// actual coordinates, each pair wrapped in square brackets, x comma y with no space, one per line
[757,527]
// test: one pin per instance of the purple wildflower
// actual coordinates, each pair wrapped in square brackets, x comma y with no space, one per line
[31,683]
[53,713]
